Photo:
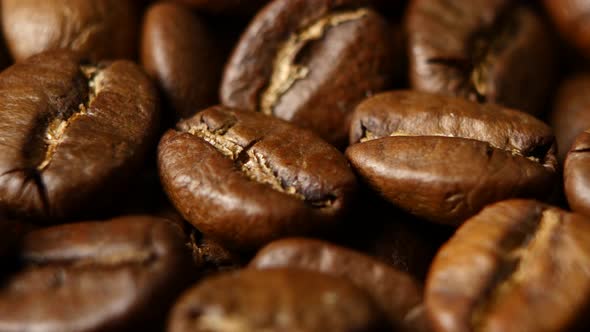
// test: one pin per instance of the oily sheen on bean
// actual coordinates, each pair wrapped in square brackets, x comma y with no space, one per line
[576,176]
[118,275]
[445,158]
[571,112]
[517,266]
[97,29]
[245,178]
[178,49]
[484,50]
[71,133]
[310,62]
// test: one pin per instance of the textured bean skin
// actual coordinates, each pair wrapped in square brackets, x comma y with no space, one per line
[245,178]
[482,50]
[71,133]
[516,266]
[312,77]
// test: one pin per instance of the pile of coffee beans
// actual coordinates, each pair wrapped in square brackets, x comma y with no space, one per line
[294,165]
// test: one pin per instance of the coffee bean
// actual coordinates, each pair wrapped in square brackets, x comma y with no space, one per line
[70,133]
[412,113]
[483,50]
[397,293]
[517,266]
[444,158]
[98,29]
[572,21]
[245,178]
[576,174]
[178,50]
[118,275]
[571,112]
[275,300]
[310,62]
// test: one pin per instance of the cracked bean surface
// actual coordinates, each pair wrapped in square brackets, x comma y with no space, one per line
[310,62]
[518,265]
[245,178]
[483,50]
[70,132]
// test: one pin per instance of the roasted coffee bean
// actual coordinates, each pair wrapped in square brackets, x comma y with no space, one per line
[119,275]
[573,21]
[225,7]
[70,132]
[517,266]
[412,113]
[446,179]
[275,300]
[310,62]
[571,112]
[444,158]
[397,293]
[576,174]
[483,50]
[98,29]
[178,50]
[245,178]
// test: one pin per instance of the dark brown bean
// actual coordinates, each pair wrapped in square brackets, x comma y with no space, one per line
[483,50]
[275,300]
[517,266]
[98,29]
[576,174]
[571,112]
[118,275]
[245,178]
[397,293]
[446,179]
[412,113]
[179,51]
[71,133]
[573,21]
[310,62]
[444,158]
